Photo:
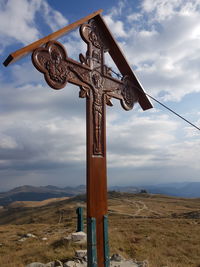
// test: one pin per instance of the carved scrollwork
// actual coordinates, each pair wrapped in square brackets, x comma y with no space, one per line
[51,61]
[91,34]
[83,59]
[129,93]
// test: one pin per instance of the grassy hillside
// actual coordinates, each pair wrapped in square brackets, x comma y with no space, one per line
[163,230]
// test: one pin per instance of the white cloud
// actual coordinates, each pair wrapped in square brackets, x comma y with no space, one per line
[162,42]
[138,140]
[147,149]
[116,26]
[7,142]
[166,9]
[18,20]
[186,153]
[134,17]
[52,17]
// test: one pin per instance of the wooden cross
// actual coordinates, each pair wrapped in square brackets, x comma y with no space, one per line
[98,86]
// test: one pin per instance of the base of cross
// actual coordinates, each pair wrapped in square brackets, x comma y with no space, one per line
[91,243]
[97,229]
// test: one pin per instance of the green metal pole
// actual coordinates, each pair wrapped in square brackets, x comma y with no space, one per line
[79,212]
[106,242]
[91,243]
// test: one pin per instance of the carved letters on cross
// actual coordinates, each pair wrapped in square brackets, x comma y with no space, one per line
[91,74]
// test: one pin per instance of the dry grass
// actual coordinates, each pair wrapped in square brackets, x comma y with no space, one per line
[32,204]
[142,227]
[163,242]
[16,253]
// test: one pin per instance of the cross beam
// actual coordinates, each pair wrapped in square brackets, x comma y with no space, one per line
[98,87]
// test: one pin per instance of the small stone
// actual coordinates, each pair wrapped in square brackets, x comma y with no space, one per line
[143,263]
[58,263]
[70,264]
[79,236]
[35,264]
[55,263]
[74,264]
[50,264]
[68,238]
[117,257]
[22,239]
[80,253]
[44,239]
[124,263]
[30,235]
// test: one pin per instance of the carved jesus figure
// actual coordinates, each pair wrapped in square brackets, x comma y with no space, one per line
[98,110]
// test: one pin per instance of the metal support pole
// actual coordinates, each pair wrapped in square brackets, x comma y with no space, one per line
[79,212]
[106,241]
[91,243]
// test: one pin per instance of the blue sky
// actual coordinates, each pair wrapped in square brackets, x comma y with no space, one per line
[43,131]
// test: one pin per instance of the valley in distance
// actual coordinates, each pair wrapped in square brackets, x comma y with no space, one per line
[145,223]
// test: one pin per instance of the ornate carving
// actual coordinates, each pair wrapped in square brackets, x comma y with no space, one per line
[94,58]
[91,75]
[83,59]
[78,75]
[91,34]
[57,68]
[51,61]
[129,94]
[94,38]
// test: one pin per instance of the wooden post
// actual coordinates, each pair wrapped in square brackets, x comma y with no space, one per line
[96,182]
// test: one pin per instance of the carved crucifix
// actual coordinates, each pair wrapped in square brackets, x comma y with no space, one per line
[91,74]
[98,86]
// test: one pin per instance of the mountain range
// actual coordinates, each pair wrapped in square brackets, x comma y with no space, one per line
[33,193]
[186,189]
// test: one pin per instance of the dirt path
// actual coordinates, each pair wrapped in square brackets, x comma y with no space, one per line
[140,207]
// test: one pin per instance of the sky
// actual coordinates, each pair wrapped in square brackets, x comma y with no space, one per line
[43,131]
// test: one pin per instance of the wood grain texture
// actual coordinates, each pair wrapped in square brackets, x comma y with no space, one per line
[96,181]
[53,36]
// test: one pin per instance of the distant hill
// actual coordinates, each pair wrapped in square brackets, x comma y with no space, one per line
[187,189]
[33,193]
[125,189]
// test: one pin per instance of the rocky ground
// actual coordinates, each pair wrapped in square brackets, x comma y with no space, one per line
[115,261]
[80,257]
